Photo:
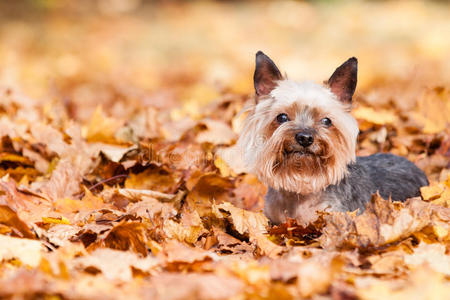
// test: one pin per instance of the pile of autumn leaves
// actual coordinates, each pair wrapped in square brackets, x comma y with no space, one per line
[159,207]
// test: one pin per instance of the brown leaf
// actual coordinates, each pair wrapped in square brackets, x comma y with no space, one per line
[254,225]
[189,229]
[226,243]
[205,189]
[18,228]
[291,229]
[64,182]
[158,178]
[125,236]
[249,192]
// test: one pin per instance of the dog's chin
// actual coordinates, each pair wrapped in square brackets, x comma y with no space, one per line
[298,155]
[298,170]
[298,161]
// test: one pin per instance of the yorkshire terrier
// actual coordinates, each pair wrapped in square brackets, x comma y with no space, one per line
[300,139]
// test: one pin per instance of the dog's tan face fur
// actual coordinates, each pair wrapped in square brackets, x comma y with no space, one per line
[285,114]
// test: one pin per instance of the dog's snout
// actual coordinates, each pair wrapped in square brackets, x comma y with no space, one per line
[305,139]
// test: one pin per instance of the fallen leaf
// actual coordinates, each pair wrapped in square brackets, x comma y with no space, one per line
[176,252]
[60,220]
[29,252]
[102,128]
[216,132]
[10,218]
[433,255]
[315,275]
[253,224]
[125,236]
[432,192]
[116,264]
[379,117]
[158,178]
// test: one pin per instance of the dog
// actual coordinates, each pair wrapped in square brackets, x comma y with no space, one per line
[300,140]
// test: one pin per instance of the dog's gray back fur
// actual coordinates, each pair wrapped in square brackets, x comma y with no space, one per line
[392,176]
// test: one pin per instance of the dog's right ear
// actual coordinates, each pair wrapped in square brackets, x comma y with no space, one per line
[266,74]
[343,81]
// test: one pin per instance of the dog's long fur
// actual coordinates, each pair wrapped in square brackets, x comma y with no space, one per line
[325,175]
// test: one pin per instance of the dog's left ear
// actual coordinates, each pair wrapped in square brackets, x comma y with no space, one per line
[266,74]
[343,81]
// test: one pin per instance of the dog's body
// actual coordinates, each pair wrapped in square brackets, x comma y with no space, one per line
[390,175]
[300,139]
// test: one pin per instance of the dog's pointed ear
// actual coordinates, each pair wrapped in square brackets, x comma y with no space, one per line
[266,74]
[343,81]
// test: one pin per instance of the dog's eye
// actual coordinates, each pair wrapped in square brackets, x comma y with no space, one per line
[281,118]
[326,121]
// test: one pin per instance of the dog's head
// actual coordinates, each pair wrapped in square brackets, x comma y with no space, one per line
[300,136]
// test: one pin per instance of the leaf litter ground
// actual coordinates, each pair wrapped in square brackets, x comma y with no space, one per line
[119,179]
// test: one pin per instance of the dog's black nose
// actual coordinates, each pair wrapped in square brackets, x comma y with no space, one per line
[304,139]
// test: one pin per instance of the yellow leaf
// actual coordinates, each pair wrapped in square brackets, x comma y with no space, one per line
[379,117]
[60,220]
[432,192]
[224,169]
[440,232]
[182,232]
[102,128]
[254,224]
[15,158]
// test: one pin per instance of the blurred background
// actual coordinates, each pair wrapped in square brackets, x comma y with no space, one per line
[163,53]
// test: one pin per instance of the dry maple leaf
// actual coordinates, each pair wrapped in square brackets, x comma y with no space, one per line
[227,244]
[154,177]
[64,182]
[250,223]
[125,236]
[205,188]
[291,229]
[102,128]
[15,225]
[189,229]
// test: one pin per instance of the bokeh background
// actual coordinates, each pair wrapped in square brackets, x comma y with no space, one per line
[192,51]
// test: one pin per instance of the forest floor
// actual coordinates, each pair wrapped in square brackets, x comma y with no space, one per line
[116,130]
